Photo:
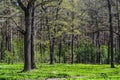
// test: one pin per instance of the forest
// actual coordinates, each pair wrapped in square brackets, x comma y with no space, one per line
[59,39]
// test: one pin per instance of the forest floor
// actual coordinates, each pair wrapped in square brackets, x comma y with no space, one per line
[60,72]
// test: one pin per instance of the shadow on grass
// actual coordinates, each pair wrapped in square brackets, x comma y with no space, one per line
[59,76]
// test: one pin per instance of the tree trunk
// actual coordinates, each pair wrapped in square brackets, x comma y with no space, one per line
[118,16]
[60,47]
[27,35]
[52,51]
[27,41]
[32,39]
[111,34]
[2,50]
[108,57]
[72,42]
[98,48]
[41,53]
[72,51]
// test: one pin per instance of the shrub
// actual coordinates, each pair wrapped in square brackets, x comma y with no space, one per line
[8,57]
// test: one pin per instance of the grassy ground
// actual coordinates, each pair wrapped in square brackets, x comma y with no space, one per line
[60,72]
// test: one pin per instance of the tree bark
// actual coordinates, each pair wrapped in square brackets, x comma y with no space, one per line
[98,48]
[60,47]
[72,51]
[72,40]
[108,57]
[52,51]
[111,34]
[27,41]
[27,35]
[118,21]
[32,39]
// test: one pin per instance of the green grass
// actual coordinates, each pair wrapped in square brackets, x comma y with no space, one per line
[62,71]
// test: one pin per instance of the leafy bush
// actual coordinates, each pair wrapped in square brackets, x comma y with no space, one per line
[85,53]
[18,50]
[104,53]
[8,57]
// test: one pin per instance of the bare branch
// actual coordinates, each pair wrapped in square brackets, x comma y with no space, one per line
[18,28]
[21,5]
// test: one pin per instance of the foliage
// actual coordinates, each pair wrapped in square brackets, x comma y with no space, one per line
[85,52]
[104,53]
[8,57]
[18,50]
[116,55]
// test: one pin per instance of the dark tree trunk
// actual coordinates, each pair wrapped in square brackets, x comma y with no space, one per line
[98,48]
[2,50]
[3,46]
[51,45]
[27,35]
[27,41]
[111,34]
[8,38]
[72,41]
[60,47]
[32,40]
[72,51]
[52,51]
[108,57]
[60,44]
[118,16]
[41,52]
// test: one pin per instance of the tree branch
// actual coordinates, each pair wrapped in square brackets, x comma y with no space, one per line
[45,2]
[105,30]
[21,5]
[18,28]
[30,3]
